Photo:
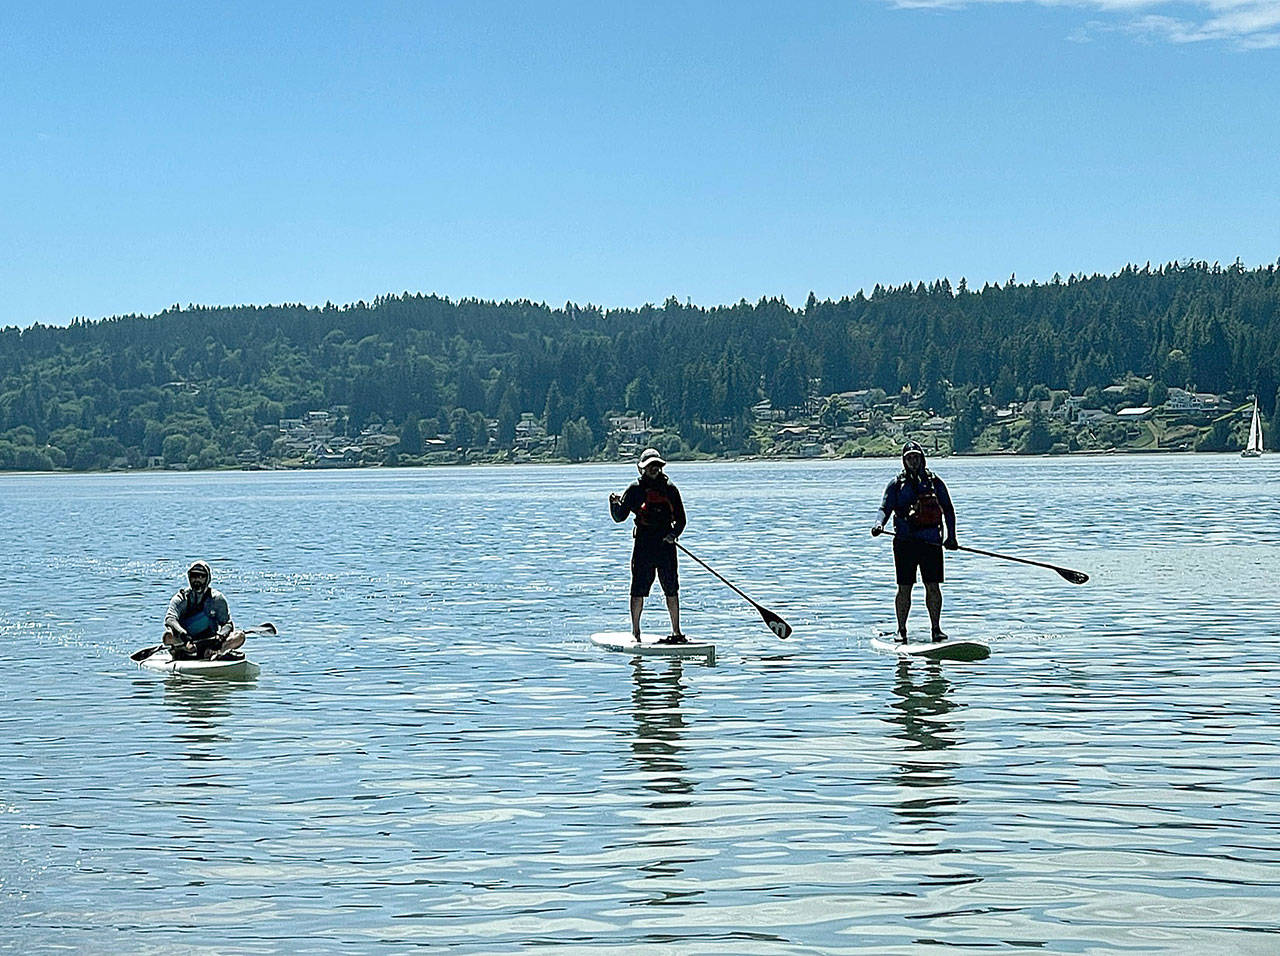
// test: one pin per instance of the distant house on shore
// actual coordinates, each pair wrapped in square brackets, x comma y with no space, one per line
[1088,415]
[631,433]
[858,400]
[1069,409]
[763,411]
[1184,402]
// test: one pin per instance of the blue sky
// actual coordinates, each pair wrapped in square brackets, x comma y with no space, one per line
[619,153]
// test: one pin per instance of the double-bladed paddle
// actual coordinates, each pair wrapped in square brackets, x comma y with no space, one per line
[1075,577]
[775,623]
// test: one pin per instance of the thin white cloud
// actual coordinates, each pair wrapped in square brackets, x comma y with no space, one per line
[1244,24]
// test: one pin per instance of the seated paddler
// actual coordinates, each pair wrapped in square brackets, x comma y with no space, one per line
[198,623]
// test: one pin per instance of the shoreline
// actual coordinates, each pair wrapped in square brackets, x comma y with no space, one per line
[712,459]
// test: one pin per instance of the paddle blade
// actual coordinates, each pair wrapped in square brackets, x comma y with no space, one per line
[776,624]
[1075,577]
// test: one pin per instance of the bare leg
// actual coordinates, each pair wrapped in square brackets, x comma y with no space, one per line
[902,604]
[673,609]
[933,601]
[179,644]
[637,605]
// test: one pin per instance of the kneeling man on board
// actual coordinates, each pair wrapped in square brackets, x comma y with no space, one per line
[198,622]
[919,503]
[655,502]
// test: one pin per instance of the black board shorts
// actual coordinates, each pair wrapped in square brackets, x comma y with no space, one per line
[910,554]
[650,557]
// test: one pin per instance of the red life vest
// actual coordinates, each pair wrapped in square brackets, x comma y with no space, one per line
[656,511]
[926,510]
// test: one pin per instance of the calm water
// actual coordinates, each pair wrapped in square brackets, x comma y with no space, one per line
[434,755]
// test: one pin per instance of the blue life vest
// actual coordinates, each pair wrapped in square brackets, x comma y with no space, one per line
[198,622]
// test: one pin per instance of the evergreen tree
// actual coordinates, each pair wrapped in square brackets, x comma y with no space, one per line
[835,412]
[508,418]
[553,412]
[1272,441]
[410,436]
[462,428]
[1005,389]
[1038,439]
[577,440]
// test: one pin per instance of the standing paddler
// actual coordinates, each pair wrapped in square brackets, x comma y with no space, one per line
[924,522]
[655,501]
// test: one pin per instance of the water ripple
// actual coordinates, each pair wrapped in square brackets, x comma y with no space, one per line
[434,755]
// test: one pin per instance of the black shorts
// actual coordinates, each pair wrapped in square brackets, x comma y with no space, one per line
[909,554]
[652,556]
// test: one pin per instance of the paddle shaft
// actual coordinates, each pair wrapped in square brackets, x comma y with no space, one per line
[717,574]
[783,629]
[1010,557]
[1075,577]
[266,627]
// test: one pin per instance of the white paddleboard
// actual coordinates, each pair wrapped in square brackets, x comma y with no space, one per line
[650,644]
[233,666]
[931,650]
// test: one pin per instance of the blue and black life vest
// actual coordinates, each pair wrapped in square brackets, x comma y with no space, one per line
[197,621]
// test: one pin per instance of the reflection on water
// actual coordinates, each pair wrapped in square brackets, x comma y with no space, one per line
[923,769]
[657,713]
[922,704]
[659,724]
[201,711]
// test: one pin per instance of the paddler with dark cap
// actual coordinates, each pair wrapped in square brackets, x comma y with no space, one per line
[924,522]
[659,513]
[198,623]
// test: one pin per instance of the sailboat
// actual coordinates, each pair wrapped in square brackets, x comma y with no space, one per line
[1254,448]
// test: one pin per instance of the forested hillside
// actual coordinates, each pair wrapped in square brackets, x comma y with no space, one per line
[200,385]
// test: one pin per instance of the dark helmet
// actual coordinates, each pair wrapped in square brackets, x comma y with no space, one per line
[912,448]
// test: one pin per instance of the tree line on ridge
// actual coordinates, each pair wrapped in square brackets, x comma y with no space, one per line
[199,385]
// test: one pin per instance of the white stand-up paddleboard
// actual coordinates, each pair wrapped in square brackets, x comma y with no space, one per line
[231,666]
[650,645]
[930,650]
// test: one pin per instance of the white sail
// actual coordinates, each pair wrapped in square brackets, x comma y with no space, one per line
[1254,448]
